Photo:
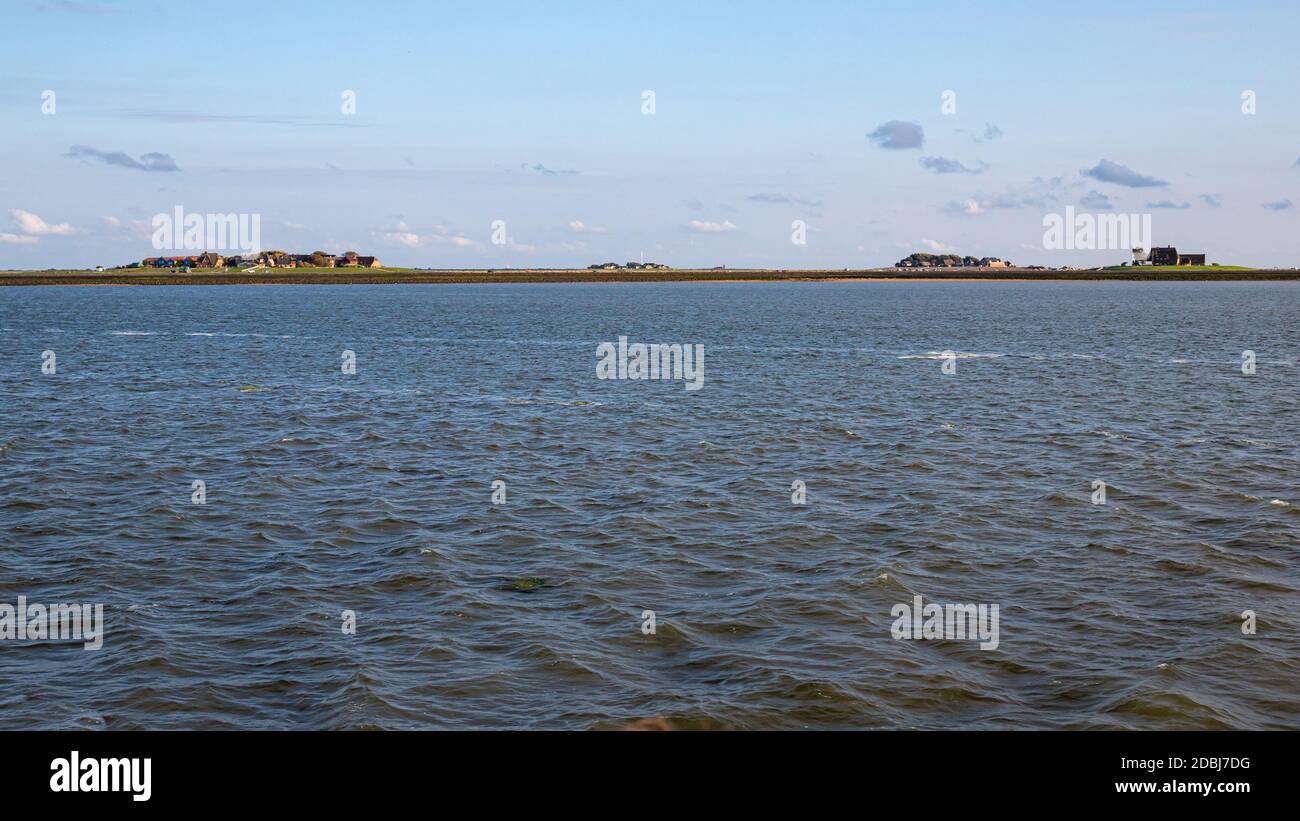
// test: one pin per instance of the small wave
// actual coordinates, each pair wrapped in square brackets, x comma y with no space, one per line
[953,355]
[230,335]
[132,333]
[577,403]
[1044,356]
[1279,503]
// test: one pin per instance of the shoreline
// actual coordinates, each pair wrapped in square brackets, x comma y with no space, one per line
[397,276]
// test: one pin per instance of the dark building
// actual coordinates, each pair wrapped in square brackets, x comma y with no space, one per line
[1164,256]
[1170,256]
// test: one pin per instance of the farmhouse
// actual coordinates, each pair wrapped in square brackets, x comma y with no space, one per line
[350,259]
[631,266]
[950,261]
[266,259]
[1169,255]
[170,262]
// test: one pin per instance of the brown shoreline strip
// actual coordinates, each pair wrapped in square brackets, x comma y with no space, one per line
[379,276]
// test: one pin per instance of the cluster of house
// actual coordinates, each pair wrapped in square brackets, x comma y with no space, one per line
[1166,256]
[950,261]
[266,259]
[614,266]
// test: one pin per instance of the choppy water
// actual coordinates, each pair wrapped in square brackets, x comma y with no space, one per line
[328,492]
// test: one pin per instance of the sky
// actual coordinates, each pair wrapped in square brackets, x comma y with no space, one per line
[881,129]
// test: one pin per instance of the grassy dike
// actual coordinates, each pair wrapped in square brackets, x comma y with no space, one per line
[389,276]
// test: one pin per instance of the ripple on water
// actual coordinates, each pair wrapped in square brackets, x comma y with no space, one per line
[649,566]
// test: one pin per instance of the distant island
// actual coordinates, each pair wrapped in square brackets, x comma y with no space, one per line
[265,259]
[350,273]
[631,266]
[950,261]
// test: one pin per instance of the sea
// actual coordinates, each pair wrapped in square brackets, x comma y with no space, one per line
[425,507]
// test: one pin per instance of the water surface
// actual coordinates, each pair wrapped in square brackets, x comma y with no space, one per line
[372,493]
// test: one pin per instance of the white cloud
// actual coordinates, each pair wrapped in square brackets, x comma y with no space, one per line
[704,227]
[936,246]
[1096,201]
[1038,193]
[580,227]
[15,239]
[33,226]
[402,234]
[457,239]
[130,230]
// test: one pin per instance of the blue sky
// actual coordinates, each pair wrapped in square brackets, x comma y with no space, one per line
[531,113]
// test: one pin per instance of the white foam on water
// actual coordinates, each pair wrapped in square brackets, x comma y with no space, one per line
[576,403]
[225,334]
[952,354]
